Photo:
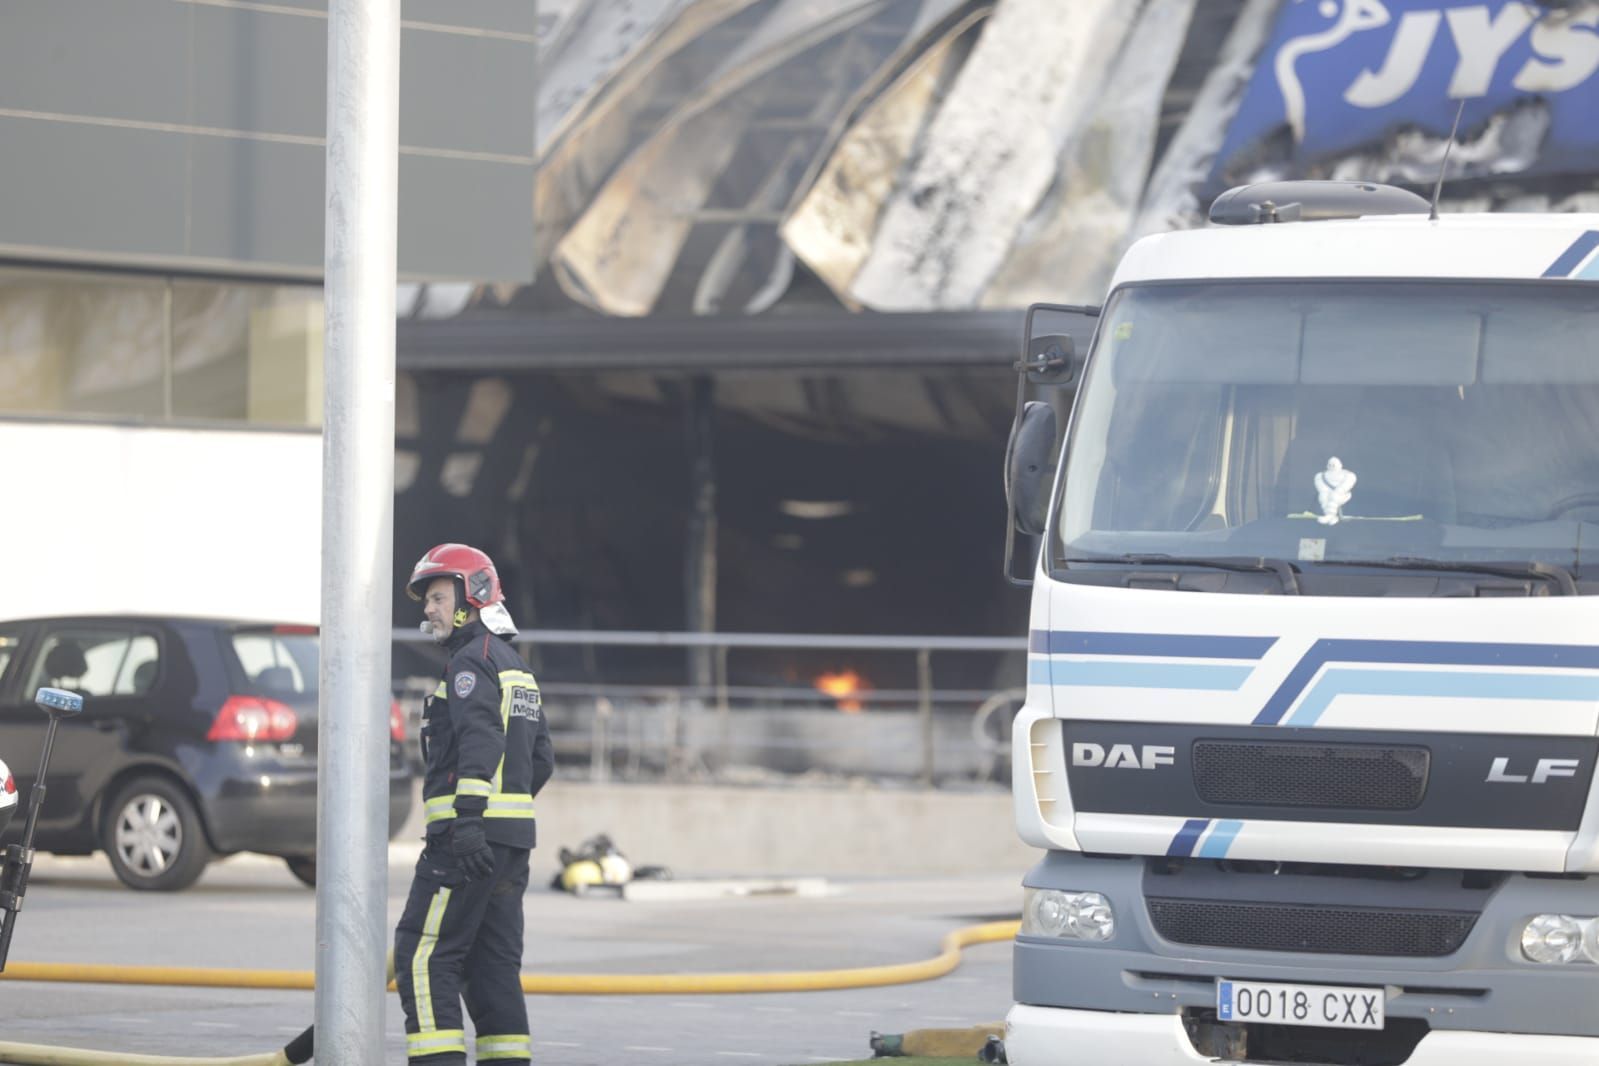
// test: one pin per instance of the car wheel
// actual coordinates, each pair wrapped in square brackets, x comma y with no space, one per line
[153,836]
[303,867]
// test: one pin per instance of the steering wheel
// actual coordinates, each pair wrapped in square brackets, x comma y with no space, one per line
[1575,501]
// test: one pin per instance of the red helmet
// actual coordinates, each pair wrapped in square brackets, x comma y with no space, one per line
[474,570]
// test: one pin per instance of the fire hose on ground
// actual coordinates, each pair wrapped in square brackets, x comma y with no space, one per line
[547,984]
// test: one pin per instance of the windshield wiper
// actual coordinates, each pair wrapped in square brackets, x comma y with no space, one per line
[1558,576]
[1286,572]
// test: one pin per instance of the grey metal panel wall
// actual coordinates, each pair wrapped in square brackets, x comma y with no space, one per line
[454,88]
[59,180]
[498,16]
[188,135]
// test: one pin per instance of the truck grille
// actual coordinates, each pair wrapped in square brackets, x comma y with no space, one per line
[1315,929]
[1281,773]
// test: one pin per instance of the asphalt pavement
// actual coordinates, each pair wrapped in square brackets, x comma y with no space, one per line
[250,912]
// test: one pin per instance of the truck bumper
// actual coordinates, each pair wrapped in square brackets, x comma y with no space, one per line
[1055,1036]
[1485,986]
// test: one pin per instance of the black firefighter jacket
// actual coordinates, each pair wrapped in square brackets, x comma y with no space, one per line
[485,741]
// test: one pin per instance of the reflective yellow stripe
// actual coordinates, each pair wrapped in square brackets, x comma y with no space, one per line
[421,986]
[442,691]
[508,679]
[504,805]
[474,786]
[435,1042]
[505,731]
[439,808]
[504,1047]
[510,805]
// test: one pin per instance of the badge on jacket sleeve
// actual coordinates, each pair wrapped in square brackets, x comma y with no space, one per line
[465,682]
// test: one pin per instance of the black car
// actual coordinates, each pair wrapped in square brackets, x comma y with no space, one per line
[197,739]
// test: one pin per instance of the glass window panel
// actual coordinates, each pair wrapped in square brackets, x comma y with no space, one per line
[79,344]
[139,667]
[210,350]
[92,662]
[246,352]
[154,349]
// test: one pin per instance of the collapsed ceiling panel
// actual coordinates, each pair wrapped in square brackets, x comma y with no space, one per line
[1069,247]
[605,83]
[990,153]
[837,212]
[727,160]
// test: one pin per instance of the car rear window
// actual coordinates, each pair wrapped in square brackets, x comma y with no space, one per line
[280,660]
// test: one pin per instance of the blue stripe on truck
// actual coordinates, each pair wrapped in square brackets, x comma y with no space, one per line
[1108,673]
[1448,683]
[1183,843]
[1148,645]
[1420,653]
[1573,256]
[1220,839]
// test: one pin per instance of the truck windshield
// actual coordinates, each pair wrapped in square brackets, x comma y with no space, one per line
[1335,422]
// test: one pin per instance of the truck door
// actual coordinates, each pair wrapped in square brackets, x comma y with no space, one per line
[1055,343]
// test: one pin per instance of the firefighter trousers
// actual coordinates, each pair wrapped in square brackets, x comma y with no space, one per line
[463,939]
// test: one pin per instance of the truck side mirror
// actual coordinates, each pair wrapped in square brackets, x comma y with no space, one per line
[1030,462]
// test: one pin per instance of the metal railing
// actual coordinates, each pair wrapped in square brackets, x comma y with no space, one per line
[719,731]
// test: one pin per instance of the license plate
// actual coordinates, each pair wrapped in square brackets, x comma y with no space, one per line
[1324,1006]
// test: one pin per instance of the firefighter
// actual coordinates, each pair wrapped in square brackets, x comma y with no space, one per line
[487,750]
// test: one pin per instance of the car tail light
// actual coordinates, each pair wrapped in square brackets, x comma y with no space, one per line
[10,786]
[396,722]
[254,718]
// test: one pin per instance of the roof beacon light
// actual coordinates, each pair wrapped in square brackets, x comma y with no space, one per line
[1311,201]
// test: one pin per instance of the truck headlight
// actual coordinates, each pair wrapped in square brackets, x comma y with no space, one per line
[1561,938]
[1070,915]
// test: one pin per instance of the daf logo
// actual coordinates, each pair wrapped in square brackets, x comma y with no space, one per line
[1542,771]
[1123,756]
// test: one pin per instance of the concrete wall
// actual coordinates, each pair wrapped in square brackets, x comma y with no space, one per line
[879,745]
[703,830]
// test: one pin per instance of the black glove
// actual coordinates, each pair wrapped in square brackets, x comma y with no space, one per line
[468,845]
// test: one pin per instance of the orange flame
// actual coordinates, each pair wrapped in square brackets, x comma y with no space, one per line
[844,687]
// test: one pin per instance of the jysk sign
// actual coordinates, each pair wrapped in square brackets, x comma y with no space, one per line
[1343,75]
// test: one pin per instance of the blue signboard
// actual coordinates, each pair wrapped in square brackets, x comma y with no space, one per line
[1339,76]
